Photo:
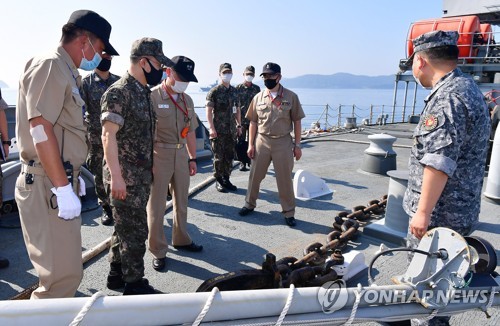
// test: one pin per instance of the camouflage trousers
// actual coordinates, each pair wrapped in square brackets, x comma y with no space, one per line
[128,242]
[94,164]
[223,149]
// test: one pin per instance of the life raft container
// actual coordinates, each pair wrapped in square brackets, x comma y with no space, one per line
[466,26]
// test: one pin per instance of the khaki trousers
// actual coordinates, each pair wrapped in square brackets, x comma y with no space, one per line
[280,152]
[54,245]
[170,166]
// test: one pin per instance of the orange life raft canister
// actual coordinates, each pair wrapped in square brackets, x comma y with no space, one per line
[466,26]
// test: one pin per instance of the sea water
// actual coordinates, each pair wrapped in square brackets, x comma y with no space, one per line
[329,107]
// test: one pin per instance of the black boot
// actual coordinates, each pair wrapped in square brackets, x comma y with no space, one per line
[140,287]
[107,215]
[228,185]
[219,185]
[115,280]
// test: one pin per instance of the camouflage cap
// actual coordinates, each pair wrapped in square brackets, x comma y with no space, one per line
[430,40]
[225,67]
[148,46]
[434,39]
[249,69]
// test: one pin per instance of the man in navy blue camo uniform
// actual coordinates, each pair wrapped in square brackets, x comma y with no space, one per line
[447,160]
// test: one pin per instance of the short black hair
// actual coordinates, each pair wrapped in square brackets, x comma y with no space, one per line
[442,53]
[70,32]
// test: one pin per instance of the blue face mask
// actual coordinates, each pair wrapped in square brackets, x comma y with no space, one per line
[90,65]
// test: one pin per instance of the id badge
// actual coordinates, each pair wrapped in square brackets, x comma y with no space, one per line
[234,109]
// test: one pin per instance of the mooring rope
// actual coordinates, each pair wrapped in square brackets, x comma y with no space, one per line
[206,308]
[86,308]
[359,292]
[424,320]
[288,303]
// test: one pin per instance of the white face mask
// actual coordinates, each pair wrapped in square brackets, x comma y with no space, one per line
[226,78]
[179,87]
[248,78]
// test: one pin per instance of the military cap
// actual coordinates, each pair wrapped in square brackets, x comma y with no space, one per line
[225,67]
[271,68]
[94,23]
[430,40]
[249,69]
[184,67]
[148,46]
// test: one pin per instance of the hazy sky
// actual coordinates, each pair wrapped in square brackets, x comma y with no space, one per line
[363,37]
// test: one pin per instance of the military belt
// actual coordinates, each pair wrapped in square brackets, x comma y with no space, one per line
[36,170]
[170,146]
[273,136]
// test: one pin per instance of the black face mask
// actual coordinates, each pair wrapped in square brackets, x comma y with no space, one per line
[270,83]
[153,77]
[104,65]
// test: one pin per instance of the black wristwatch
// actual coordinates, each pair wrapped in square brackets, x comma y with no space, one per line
[7,142]
[193,160]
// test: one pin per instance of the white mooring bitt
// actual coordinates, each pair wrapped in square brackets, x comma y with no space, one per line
[493,182]
[307,186]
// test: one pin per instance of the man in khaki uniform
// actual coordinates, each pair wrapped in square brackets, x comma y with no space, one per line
[273,114]
[50,131]
[172,163]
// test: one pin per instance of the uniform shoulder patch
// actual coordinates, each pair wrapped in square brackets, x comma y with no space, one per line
[430,122]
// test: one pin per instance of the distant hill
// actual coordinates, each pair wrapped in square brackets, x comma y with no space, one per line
[3,84]
[340,80]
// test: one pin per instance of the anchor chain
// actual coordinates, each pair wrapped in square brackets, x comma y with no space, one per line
[316,267]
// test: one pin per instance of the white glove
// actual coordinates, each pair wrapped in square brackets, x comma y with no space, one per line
[82,191]
[67,201]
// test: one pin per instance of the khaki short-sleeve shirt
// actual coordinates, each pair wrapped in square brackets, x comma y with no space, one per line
[49,88]
[275,118]
[171,120]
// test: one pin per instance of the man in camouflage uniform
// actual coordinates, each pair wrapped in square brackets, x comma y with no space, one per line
[246,91]
[447,161]
[93,86]
[224,121]
[4,262]
[128,127]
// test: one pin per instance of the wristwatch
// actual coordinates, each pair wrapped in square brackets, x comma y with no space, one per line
[238,126]
[193,160]
[6,142]
[297,145]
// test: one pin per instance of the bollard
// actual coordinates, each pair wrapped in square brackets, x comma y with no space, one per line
[350,123]
[394,226]
[492,190]
[379,156]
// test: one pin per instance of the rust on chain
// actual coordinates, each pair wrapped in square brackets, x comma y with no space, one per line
[316,266]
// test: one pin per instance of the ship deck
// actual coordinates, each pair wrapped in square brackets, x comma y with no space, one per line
[233,243]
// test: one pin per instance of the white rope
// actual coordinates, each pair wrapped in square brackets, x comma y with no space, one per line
[490,301]
[86,308]
[287,305]
[424,320]
[355,305]
[205,309]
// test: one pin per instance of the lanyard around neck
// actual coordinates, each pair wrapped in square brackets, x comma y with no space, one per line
[175,102]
